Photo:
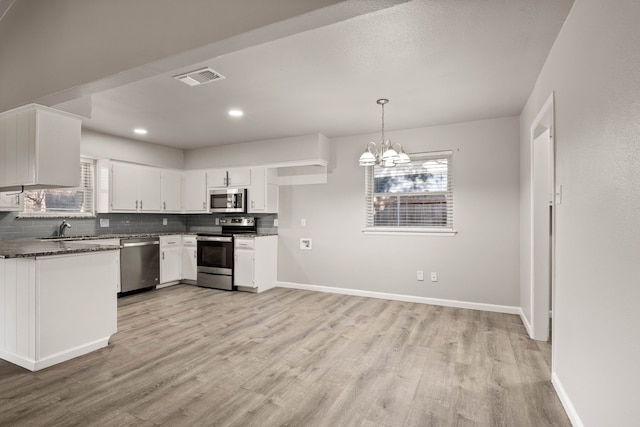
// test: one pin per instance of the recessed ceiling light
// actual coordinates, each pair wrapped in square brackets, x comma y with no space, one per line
[140,131]
[236,113]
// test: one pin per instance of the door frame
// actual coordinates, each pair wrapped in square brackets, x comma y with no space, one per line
[540,326]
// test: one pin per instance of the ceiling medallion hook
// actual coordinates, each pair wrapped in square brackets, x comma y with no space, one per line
[387,155]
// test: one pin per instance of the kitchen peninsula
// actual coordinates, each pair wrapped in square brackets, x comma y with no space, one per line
[58,300]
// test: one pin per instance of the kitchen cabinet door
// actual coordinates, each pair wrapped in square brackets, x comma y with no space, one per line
[263,192]
[217,178]
[243,271]
[222,178]
[10,201]
[171,191]
[240,177]
[194,192]
[190,263]
[124,187]
[149,189]
[170,258]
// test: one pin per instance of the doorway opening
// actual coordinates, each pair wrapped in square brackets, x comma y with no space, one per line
[542,222]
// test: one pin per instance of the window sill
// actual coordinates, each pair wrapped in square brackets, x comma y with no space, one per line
[34,215]
[410,231]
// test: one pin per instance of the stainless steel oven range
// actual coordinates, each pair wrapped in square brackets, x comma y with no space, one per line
[215,252]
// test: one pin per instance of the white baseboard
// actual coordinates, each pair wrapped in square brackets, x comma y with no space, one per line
[36,365]
[525,322]
[566,402]
[406,298]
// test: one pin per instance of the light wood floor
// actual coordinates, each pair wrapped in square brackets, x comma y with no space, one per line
[188,356]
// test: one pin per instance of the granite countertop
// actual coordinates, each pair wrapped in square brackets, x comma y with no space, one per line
[29,248]
[38,247]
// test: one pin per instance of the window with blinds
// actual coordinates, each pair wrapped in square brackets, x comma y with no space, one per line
[416,195]
[78,201]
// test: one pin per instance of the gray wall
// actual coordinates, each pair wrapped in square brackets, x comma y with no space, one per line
[594,69]
[479,264]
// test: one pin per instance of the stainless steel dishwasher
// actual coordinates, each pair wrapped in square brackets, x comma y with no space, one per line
[139,263]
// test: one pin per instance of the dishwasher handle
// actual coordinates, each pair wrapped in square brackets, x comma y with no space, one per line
[130,245]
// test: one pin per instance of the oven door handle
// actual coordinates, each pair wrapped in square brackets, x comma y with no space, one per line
[214,239]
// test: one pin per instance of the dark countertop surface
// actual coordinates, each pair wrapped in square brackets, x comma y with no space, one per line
[47,246]
[29,248]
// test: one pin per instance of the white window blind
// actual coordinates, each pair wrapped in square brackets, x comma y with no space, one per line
[78,201]
[416,195]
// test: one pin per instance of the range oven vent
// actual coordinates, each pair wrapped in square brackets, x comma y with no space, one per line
[199,77]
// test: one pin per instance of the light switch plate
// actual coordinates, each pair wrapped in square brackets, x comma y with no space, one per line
[164,221]
[104,222]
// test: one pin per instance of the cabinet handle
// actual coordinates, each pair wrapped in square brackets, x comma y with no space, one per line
[253,204]
[204,205]
[136,205]
[163,255]
[140,204]
[164,205]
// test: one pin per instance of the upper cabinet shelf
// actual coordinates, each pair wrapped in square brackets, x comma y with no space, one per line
[39,148]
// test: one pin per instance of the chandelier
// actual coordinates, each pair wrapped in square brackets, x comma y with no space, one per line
[387,154]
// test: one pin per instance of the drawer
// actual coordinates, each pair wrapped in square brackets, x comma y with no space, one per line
[168,241]
[245,243]
[189,241]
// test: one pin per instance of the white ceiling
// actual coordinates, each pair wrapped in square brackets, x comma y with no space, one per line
[438,61]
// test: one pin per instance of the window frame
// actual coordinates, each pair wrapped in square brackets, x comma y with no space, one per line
[448,230]
[59,214]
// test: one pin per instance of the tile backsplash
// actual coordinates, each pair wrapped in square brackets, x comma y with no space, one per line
[12,227]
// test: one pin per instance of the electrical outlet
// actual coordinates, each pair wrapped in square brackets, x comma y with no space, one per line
[164,221]
[420,275]
[303,222]
[434,276]
[275,222]
[104,222]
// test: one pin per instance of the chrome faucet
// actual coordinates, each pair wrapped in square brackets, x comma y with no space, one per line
[63,227]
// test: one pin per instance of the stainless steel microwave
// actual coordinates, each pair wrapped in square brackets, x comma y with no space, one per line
[228,200]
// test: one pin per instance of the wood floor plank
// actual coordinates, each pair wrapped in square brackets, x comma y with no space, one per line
[187,356]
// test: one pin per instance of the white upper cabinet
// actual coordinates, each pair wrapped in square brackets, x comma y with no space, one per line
[171,190]
[263,192]
[194,192]
[236,177]
[134,188]
[39,148]
[150,189]
[10,201]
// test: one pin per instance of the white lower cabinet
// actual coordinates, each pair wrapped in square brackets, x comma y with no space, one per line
[189,259]
[170,259]
[255,263]
[55,308]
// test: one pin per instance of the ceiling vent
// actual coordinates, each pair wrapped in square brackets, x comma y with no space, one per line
[199,77]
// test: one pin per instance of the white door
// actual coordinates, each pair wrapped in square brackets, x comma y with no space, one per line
[542,204]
